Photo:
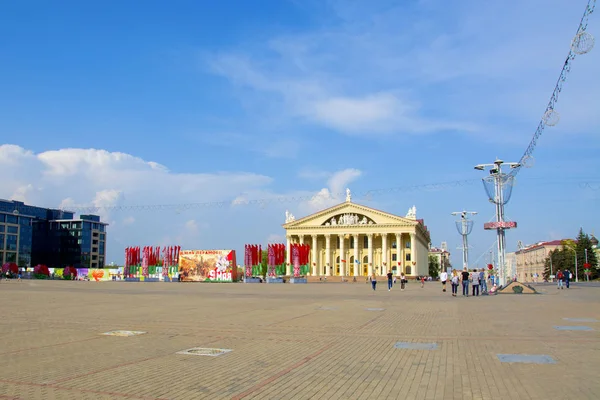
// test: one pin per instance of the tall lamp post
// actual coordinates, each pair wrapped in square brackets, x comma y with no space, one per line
[498,186]
[464,226]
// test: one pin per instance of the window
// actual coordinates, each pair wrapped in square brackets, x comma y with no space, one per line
[11,242]
[365,242]
[408,257]
[12,229]
[25,221]
[11,257]
[77,225]
[2,228]
[351,242]
[394,245]
[408,244]
[12,219]
[394,257]
[2,217]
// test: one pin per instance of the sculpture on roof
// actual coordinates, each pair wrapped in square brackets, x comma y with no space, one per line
[348,195]
[412,213]
[289,217]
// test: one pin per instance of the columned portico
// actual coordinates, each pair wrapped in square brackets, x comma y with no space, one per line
[342,256]
[369,232]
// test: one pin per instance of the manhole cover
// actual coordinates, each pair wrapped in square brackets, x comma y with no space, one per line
[375,309]
[526,358]
[201,351]
[123,333]
[416,346]
[573,328]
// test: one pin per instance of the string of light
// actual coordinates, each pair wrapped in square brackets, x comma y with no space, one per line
[263,202]
[582,43]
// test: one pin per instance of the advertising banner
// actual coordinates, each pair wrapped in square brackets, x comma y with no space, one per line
[207,266]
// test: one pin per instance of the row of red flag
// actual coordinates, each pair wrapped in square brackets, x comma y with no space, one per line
[135,255]
[276,254]
[303,251]
[252,254]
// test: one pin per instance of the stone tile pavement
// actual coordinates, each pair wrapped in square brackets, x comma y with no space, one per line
[316,341]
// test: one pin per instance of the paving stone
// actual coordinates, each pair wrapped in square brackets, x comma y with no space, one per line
[291,342]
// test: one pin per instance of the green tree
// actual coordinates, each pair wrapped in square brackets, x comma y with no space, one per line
[434,267]
[264,263]
[583,246]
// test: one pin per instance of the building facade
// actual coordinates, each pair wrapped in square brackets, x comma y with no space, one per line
[32,235]
[442,256]
[530,259]
[350,239]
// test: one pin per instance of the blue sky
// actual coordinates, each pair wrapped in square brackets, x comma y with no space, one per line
[194,101]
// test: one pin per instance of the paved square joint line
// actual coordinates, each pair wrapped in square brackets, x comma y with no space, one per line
[202,351]
[416,346]
[573,328]
[526,358]
[374,309]
[123,333]
[581,319]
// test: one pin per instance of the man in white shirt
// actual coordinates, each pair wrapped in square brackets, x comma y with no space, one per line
[444,278]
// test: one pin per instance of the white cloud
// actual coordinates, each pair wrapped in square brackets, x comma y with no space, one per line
[335,192]
[108,183]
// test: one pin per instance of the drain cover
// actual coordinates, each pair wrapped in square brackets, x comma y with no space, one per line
[123,333]
[201,351]
[526,358]
[416,346]
[375,309]
[573,328]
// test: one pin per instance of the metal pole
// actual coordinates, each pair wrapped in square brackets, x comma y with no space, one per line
[587,276]
[465,245]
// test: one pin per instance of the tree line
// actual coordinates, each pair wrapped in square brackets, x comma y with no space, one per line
[571,256]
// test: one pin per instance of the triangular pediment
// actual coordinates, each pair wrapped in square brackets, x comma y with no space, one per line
[351,214]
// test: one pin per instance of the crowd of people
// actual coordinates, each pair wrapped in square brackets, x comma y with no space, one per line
[477,279]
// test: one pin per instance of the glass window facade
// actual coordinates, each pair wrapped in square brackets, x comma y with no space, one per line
[34,235]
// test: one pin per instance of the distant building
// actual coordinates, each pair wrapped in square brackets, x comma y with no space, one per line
[442,255]
[530,259]
[32,235]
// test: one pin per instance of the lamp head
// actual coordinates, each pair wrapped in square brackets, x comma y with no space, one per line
[479,167]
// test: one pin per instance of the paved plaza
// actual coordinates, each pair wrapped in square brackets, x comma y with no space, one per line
[316,341]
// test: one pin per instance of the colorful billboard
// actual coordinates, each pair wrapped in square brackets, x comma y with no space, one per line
[207,266]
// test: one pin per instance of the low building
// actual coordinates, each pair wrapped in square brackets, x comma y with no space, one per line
[530,259]
[31,235]
[350,239]
[442,256]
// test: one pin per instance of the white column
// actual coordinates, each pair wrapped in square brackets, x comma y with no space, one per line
[384,260]
[399,254]
[355,266]
[370,253]
[314,255]
[328,255]
[288,256]
[342,257]
[301,239]
[413,253]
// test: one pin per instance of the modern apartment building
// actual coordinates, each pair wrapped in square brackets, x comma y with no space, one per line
[32,235]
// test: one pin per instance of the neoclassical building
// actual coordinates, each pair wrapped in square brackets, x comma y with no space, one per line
[350,239]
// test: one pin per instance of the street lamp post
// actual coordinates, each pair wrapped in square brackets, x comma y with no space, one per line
[498,187]
[464,227]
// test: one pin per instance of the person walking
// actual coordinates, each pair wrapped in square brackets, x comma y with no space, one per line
[482,281]
[374,280]
[559,280]
[444,278]
[454,282]
[402,281]
[422,282]
[465,281]
[475,282]
[390,277]
[567,275]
